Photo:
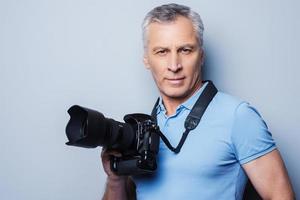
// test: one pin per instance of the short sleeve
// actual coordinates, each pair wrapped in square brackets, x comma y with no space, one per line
[250,135]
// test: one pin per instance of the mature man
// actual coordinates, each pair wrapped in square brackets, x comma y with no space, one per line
[230,143]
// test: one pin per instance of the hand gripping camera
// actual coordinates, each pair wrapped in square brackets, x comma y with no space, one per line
[136,139]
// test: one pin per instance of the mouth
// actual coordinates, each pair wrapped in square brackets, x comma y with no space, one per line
[175,81]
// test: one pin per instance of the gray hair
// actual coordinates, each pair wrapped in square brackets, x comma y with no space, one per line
[169,13]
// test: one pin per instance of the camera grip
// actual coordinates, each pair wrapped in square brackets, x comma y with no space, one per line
[125,167]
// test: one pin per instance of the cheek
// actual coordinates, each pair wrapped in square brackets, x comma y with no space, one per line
[157,69]
[193,66]
[156,74]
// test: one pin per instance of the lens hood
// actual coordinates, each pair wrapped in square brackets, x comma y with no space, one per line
[84,127]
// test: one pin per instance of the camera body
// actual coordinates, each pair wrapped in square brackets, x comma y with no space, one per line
[142,157]
[137,139]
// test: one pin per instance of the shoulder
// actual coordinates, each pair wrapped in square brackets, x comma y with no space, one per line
[223,106]
[234,113]
[223,99]
[234,107]
[240,112]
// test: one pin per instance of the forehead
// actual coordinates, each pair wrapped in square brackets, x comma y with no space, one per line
[178,32]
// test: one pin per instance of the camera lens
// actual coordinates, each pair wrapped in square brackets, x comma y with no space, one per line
[89,128]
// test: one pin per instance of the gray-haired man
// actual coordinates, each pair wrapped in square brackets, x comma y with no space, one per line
[231,142]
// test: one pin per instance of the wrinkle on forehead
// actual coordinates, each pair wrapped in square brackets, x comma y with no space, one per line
[159,33]
[171,34]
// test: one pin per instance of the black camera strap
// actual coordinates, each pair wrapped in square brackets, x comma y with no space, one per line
[194,117]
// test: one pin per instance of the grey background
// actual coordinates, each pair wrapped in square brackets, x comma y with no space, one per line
[57,53]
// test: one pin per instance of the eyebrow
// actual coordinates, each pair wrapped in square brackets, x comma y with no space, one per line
[157,48]
[187,45]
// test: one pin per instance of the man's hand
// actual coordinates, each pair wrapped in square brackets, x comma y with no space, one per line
[105,156]
[117,187]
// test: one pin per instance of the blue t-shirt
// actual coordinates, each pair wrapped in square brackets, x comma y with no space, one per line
[209,165]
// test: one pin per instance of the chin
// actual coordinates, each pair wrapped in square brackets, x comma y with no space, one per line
[175,94]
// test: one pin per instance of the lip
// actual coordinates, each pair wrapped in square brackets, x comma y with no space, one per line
[175,81]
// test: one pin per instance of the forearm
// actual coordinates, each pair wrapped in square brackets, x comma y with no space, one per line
[115,190]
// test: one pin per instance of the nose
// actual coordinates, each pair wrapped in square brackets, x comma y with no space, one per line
[174,63]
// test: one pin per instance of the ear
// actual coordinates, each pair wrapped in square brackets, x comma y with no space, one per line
[146,61]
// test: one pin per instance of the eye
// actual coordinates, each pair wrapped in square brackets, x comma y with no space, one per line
[186,50]
[161,52]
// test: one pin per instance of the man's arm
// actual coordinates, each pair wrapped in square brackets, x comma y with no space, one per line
[120,189]
[269,177]
[117,187]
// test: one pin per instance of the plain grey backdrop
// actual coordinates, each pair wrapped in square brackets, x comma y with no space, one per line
[57,53]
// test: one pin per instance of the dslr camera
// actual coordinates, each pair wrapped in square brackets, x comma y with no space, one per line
[137,139]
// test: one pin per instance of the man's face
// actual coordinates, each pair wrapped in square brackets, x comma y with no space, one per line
[174,57]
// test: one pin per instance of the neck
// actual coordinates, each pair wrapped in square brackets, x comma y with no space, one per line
[171,103]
